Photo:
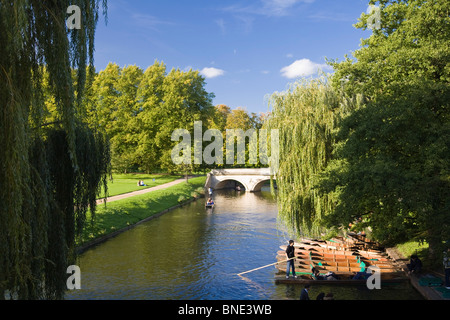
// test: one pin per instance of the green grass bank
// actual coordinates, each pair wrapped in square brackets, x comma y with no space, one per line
[125,183]
[127,212]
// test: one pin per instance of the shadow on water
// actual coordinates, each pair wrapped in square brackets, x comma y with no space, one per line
[196,253]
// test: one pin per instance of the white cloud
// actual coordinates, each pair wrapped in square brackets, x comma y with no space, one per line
[148,21]
[281,7]
[212,72]
[221,24]
[267,7]
[302,68]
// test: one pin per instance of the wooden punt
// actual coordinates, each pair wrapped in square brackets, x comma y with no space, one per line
[319,250]
[336,246]
[339,270]
[332,266]
[343,282]
[343,256]
[325,252]
[336,258]
[344,259]
[301,245]
[360,239]
[337,263]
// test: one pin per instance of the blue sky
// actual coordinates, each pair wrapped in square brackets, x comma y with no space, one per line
[245,49]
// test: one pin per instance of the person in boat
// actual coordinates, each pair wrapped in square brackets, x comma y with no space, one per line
[290,256]
[316,274]
[414,265]
[362,275]
[210,202]
[330,276]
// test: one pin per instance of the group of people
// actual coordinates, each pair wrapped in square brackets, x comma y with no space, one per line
[210,201]
[141,183]
[415,266]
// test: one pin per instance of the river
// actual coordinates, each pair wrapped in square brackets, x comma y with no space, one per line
[192,253]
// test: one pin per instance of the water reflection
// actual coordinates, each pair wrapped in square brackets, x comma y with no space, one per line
[194,253]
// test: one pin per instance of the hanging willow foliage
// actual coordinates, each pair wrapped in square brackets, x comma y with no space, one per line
[49,176]
[307,115]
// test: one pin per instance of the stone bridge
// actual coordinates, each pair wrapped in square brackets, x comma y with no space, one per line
[250,179]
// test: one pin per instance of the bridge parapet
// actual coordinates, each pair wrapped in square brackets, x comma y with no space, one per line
[251,179]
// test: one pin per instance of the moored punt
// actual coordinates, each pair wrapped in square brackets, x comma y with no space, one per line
[339,270]
[335,245]
[345,260]
[301,247]
[361,240]
[344,263]
[329,253]
[305,246]
[337,258]
[346,282]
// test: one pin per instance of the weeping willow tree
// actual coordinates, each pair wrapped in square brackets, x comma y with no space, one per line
[307,116]
[49,174]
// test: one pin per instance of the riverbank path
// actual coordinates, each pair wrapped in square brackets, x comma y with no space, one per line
[139,192]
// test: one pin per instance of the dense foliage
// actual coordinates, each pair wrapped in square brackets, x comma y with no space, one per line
[307,115]
[49,173]
[386,166]
[392,167]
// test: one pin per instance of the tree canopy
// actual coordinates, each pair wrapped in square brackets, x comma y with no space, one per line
[307,116]
[375,147]
[392,167]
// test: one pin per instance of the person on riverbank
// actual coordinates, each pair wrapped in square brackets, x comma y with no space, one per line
[446,262]
[290,256]
[415,265]
[304,294]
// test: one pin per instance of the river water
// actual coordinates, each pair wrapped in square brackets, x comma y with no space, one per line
[193,253]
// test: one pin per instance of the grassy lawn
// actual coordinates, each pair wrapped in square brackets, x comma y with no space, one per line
[421,249]
[125,183]
[122,213]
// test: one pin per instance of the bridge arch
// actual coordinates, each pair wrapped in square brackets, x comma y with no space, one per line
[258,185]
[229,183]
